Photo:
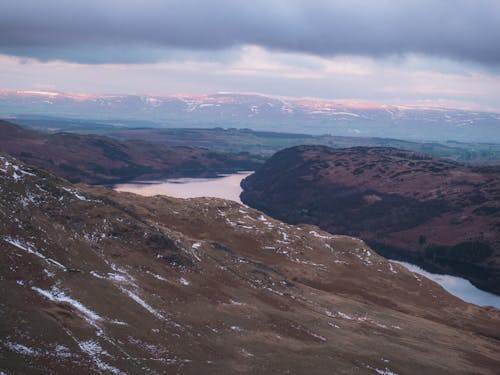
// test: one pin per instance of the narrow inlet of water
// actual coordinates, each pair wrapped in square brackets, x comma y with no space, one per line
[457,286]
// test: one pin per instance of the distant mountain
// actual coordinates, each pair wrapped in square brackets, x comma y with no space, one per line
[261,112]
[99,282]
[436,213]
[97,159]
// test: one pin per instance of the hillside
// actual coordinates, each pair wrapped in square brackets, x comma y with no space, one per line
[97,159]
[436,213]
[95,281]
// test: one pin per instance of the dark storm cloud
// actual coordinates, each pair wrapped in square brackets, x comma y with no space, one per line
[139,30]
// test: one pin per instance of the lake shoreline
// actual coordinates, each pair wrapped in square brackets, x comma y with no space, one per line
[224,185]
[457,286]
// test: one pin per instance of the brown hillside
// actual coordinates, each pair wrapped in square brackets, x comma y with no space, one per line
[96,159]
[95,281]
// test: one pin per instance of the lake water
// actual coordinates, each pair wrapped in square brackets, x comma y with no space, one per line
[228,187]
[225,186]
[457,286]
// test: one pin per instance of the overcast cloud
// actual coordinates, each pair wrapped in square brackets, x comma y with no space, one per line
[111,31]
[431,52]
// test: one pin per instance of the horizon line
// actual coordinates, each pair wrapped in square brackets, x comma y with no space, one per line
[350,102]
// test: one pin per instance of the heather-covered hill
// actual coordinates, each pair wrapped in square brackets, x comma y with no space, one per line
[436,213]
[96,159]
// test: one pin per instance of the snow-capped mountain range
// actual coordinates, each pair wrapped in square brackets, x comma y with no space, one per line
[260,112]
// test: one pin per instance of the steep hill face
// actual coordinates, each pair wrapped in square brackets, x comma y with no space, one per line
[95,281]
[439,214]
[95,159]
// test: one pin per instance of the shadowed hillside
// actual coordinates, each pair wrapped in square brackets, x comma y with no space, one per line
[96,159]
[436,213]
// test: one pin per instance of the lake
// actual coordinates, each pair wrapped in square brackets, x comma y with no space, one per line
[225,186]
[457,286]
[228,187]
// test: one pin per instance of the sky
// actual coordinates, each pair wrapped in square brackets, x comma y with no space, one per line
[413,52]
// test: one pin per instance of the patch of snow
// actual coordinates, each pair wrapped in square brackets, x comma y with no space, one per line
[62,351]
[391,268]
[340,262]
[48,273]
[75,193]
[317,336]
[269,248]
[119,278]
[386,371]
[56,295]
[246,353]
[95,274]
[143,303]
[245,226]
[22,349]
[18,173]
[156,276]
[28,199]
[309,263]
[317,235]
[30,250]
[285,236]
[94,350]
[120,275]
[345,316]
[118,322]
[183,281]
